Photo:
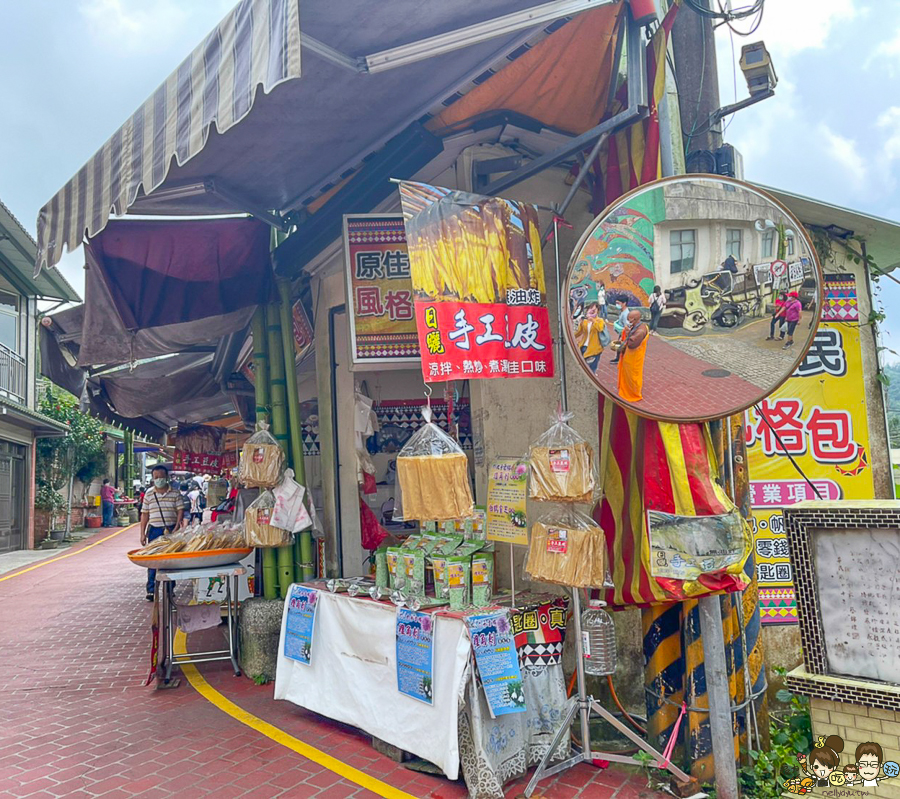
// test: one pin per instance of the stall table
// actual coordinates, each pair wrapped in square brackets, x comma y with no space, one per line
[168,617]
[352,678]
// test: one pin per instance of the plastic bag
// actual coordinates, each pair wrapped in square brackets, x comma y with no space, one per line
[567,548]
[262,460]
[258,528]
[290,512]
[433,477]
[561,465]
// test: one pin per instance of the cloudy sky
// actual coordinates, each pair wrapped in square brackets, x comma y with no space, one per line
[75,69]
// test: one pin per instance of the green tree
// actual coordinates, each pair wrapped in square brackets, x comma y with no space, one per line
[894,431]
[80,453]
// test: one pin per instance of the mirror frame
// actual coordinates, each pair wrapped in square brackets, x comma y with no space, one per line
[692,176]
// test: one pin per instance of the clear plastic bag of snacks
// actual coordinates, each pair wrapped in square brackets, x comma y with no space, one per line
[262,460]
[561,465]
[567,548]
[258,528]
[432,477]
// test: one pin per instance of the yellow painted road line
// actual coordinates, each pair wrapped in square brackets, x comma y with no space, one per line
[67,555]
[202,687]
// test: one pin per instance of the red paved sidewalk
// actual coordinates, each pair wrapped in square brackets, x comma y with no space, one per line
[76,721]
[674,383]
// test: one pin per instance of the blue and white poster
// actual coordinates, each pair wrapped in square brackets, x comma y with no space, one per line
[494,646]
[301,623]
[415,654]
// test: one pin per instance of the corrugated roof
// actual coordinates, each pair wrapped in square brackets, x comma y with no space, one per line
[18,251]
[42,425]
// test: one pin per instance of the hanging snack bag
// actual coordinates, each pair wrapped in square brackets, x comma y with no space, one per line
[562,465]
[566,548]
[262,460]
[258,528]
[433,476]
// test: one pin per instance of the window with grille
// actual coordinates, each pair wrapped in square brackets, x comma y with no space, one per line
[682,250]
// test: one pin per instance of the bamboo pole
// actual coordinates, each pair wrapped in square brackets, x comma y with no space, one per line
[277,386]
[261,364]
[261,385]
[295,425]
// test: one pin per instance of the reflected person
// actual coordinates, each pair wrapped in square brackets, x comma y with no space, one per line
[632,354]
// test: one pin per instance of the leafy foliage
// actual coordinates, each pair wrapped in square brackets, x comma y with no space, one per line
[80,453]
[791,732]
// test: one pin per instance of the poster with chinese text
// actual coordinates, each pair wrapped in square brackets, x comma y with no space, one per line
[820,416]
[415,654]
[379,292]
[493,643]
[300,624]
[478,282]
[506,520]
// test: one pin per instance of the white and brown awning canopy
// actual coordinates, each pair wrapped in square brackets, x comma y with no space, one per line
[371,68]
[256,45]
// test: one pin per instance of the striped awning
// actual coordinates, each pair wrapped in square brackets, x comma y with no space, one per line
[256,45]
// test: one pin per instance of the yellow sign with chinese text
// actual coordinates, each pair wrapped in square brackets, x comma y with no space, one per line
[506,501]
[819,418]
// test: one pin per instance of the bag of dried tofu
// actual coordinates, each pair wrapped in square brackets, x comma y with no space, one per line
[432,477]
[258,528]
[566,548]
[561,465]
[262,460]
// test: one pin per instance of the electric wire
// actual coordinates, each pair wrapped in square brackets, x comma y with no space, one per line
[784,451]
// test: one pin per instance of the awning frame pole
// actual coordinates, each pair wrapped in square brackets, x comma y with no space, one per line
[637,109]
[475,34]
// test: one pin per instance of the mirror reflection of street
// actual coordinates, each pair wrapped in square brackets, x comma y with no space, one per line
[703,291]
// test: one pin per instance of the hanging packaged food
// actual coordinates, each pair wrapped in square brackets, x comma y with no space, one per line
[258,528]
[262,460]
[561,465]
[566,548]
[433,477]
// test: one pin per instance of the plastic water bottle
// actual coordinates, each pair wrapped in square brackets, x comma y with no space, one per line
[598,636]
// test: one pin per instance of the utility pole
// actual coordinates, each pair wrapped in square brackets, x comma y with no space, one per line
[693,41]
[694,45]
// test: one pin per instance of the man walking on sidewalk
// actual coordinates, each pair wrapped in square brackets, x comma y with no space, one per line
[107,503]
[161,513]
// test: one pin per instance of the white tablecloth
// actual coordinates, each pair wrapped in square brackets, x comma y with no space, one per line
[352,678]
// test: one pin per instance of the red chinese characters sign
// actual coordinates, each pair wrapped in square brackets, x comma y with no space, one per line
[379,291]
[478,281]
[206,463]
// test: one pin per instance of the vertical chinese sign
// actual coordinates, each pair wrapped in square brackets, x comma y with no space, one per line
[819,415]
[478,281]
[379,291]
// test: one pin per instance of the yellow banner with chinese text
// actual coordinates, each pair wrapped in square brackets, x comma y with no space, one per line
[818,417]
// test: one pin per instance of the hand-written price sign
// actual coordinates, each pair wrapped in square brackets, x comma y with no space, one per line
[494,646]
[506,519]
[300,624]
[478,282]
[415,655]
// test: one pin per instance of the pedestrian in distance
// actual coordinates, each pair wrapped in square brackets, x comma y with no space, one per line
[162,513]
[196,511]
[778,317]
[657,306]
[621,323]
[792,311]
[601,301]
[107,502]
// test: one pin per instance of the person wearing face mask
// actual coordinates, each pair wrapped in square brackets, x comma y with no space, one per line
[161,513]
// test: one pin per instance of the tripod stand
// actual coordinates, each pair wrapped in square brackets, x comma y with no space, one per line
[583,705]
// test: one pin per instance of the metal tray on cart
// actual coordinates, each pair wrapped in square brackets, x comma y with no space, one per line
[204,559]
